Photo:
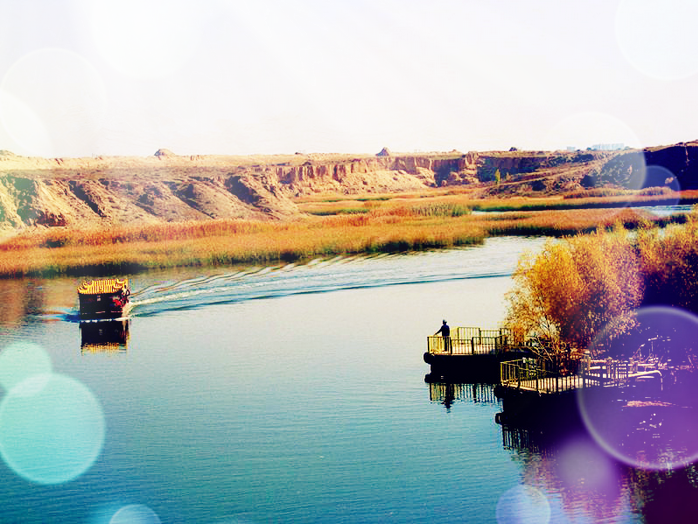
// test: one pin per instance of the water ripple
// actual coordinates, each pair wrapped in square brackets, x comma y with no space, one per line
[496,258]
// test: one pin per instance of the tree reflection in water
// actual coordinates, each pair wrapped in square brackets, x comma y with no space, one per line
[570,467]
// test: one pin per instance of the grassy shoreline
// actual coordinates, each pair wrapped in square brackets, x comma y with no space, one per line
[390,225]
[585,199]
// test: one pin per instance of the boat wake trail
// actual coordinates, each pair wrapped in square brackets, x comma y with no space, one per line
[497,258]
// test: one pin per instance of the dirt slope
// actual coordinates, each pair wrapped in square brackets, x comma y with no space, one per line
[85,192]
[104,191]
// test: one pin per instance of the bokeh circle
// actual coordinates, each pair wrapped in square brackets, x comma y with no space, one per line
[523,504]
[650,422]
[20,361]
[135,514]
[51,428]
[658,37]
[53,102]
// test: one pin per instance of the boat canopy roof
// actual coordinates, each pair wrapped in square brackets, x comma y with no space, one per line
[98,287]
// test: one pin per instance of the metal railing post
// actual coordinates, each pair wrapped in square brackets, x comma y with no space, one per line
[518,376]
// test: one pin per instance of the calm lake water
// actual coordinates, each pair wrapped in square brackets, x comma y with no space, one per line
[285,394]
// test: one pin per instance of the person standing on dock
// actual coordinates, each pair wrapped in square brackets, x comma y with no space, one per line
[446,333]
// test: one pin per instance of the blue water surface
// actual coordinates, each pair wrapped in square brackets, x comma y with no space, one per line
[291,394]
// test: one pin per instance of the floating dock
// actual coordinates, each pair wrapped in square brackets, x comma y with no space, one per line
[533,389]
[534,392]
[471,354]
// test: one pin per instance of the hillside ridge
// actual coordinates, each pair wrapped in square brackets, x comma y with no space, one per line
[104,191]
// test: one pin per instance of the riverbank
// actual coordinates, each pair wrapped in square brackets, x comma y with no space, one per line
[399,227]
[476,200]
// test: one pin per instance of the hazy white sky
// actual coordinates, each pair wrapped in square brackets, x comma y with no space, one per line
[126,77]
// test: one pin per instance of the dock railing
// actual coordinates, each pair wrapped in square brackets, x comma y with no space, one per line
[470,341]
[528,373]
[566,374]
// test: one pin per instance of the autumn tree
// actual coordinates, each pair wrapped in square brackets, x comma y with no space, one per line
[574,288]
[669,260]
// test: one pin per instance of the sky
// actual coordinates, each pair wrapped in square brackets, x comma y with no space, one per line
[237,77]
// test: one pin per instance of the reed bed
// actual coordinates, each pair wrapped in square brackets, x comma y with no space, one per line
[391,226]
[559,223]
[224,242]
[584,199]
[592,202]
[613,192]
[405,205]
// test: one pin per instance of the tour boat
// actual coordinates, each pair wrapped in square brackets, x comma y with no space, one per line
[104,299]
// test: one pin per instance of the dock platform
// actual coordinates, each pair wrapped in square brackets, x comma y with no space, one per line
[471,354]
[529,374]
[532,388]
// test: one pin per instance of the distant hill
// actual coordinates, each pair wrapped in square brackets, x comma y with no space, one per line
[675,166]
[104,191]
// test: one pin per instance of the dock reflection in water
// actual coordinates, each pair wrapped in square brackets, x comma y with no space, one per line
[573,475]
[110,336]
[447,393]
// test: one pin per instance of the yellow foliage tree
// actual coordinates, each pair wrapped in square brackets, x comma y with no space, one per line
[574,288]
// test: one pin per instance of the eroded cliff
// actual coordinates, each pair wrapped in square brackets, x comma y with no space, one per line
[104,191]
[109,191]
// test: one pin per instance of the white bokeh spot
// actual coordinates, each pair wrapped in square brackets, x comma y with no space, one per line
[135,514]
[145,38]
[53,102]
[20,361]
[658,37]
[523,505]
[590,128]
[51,429]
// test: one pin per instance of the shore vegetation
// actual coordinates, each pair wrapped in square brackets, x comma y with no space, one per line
[465,197]
[330,227]
[575,288]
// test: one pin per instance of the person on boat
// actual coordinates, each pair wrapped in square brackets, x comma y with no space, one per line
[119,300]
[445,332]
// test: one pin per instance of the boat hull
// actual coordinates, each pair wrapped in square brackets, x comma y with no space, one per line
[102,307]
